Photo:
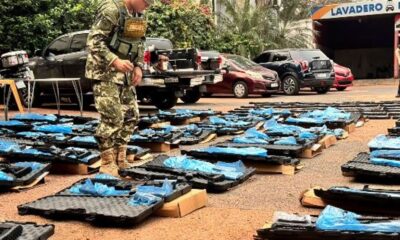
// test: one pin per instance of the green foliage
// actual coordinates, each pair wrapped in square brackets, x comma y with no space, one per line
[32,24]
[184,23]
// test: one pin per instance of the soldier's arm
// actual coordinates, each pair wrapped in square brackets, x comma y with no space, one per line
[105,23]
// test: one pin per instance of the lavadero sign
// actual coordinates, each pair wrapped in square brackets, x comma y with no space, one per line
[356,9]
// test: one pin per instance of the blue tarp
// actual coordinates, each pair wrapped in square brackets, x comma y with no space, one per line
[185,163]
[96,189]
[250,151]
[336,219]
[384,142]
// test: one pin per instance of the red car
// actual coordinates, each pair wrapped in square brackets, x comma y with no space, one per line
[343,77]
[245,77]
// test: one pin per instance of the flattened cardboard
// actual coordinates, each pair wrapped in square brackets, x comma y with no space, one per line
[184,205]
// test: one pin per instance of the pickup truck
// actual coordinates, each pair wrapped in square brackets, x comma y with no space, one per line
[65,57]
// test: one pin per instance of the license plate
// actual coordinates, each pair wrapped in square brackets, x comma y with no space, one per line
[218,78]
[274,85]
[321,75]
[20,84]
[171,80]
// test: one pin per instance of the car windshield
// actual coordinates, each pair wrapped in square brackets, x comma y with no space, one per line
[308,55]
[242,61]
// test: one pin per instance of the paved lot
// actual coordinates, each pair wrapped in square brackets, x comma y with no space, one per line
[235,214]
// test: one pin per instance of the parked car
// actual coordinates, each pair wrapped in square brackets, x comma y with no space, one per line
[65,57]
[299,68]
[343,77]
[245,77]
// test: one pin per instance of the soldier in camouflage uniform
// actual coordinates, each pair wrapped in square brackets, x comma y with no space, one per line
[115,62]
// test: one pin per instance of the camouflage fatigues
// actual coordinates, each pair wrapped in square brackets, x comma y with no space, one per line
[115,97]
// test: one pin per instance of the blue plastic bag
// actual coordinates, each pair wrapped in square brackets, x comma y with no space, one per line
[66,129]
[385,162]
[384,142]
[254,133]
[246,140]
[307,135]
[220,121]
[250,151]
[286,141]
[6,177]
[272,126]
[31,134]
[329,114]
[164,191]
[336,219]
[304,120]
[143,199]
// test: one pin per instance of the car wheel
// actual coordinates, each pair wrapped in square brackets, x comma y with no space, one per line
[322,90]
[164,101]
[341,88]
[240,89]
[191,96]
[290,85]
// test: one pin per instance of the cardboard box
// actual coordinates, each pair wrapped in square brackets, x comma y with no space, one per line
[184,205]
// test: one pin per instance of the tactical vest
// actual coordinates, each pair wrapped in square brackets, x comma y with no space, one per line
[130,33]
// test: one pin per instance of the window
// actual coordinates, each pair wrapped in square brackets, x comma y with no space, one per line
[60,46]
[280,57]
[79,42]
[242,62]
[263,58]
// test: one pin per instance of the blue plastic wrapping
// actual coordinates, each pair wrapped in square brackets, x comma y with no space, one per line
[304,120]
[254,133]
[329,114]
[336,219]
[103,176]
[220,121]
[8,146]
[31,134]
[164,191]
[250,151]
[143,199]
[307,135]
[384,142]
[35,117]
[238,166]
[12,123]
[385,154]
[385,162]
[85,139]
[185,163]
[33,165]
[33,151]
[66,129]
[6,177]
[246,140]
[272,126]
[286,141]
[96,189]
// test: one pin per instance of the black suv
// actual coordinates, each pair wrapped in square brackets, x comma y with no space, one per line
[300,68]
